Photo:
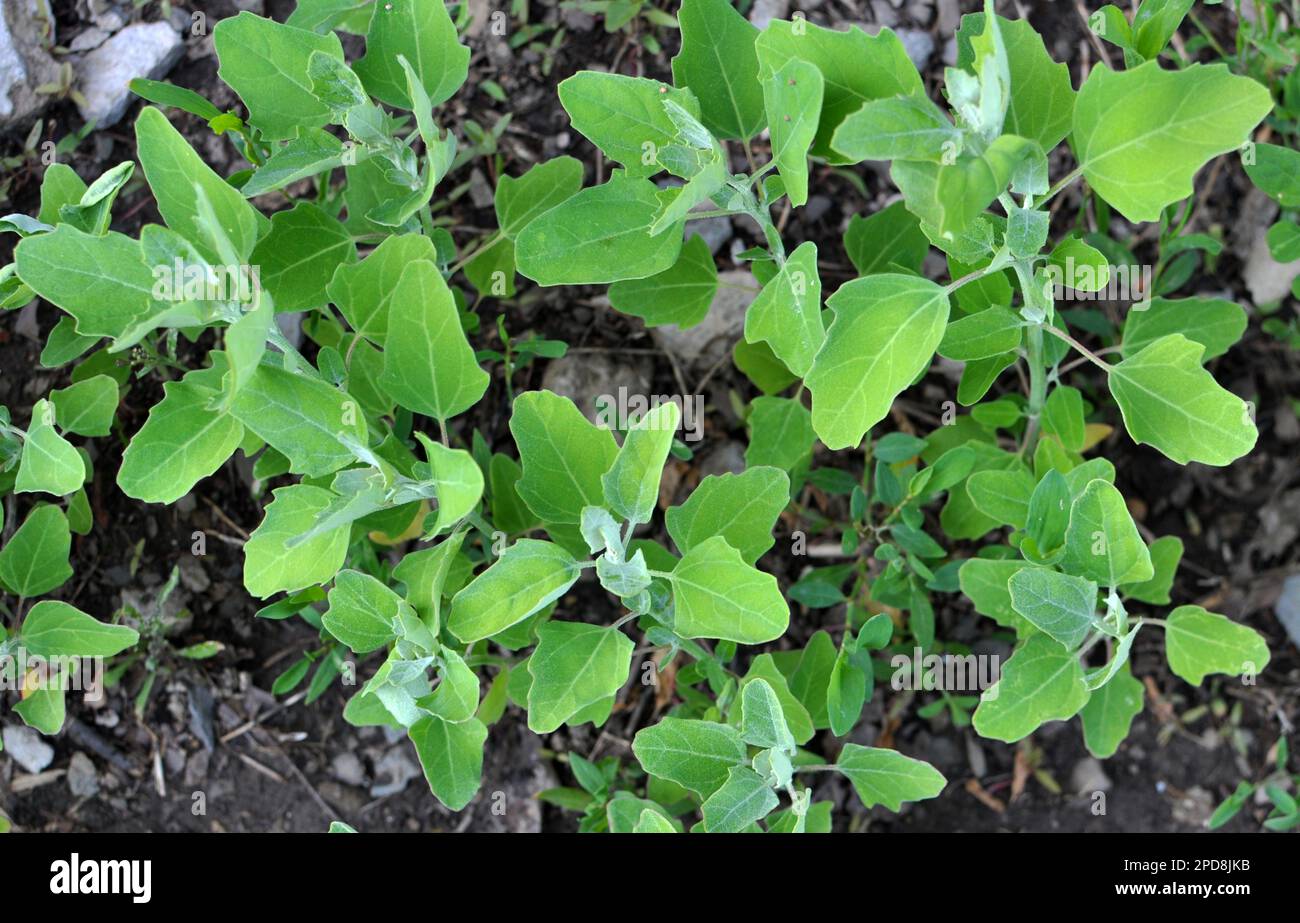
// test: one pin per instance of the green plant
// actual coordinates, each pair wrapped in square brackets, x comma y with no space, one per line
[478,602]
[1278,785]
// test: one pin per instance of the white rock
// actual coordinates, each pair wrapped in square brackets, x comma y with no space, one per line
[919,46]
[24,62]
[90,38]
[1266,278]
[1088,777]
[26,748]
[146,50]
[83,778]
[1288,607]
[348,769]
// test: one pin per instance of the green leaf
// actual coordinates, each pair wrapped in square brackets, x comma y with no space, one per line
[54,629]
[302,417]
[1110,712]
[787,313]
[102,282]
[990,332]
[718,595]
[45,707]
[653,822]
[87,407]
[311,153]
[631,485]
[457,695]
[425,573]
[744,799]
[1002,495]
[889,237]
[1140,135]
[1041,682]
[271,565]
[742,508]
[1064,607]
[695,754]
[1215,323]
[792,98]
[361,612]
[1102,542]
[520,200]
[762,722]
[451,754]
[884,335]
[529,575]
[1276,171]
[49,464]
[625,117]
[1041,106]
[1063,417]
[887,777]
[429,366]
[680,295]
[600,235]
[950,196]
[35,559]
[575,665]
[1078,266]
[1166,552]
[1155,23]
[181,443]
[422,32]
[1199,643]
[459,482]
[266,63]
[901,128]
[846,693]
[719,62]
[855,67]
[363,291]
[1171,402]
[563,456]
[781,433]
[300,254]
[168,94]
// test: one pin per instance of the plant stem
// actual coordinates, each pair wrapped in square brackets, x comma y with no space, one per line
[1064,181]
[1085,351]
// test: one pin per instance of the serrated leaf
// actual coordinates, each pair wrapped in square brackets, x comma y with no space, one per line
[887,238]
[86,407]
[1215,323]
[363,291]
[361,611]
[300,254]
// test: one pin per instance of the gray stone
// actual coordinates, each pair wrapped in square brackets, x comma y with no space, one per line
[1288,607]
[1087,777]
[919,46]
[83,778]
[583,377]
[146,50]
[90,38]
[713,338]
[26,748]
[715,231]
[25,33]
[1266,278]
[397,767]
[348,769]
